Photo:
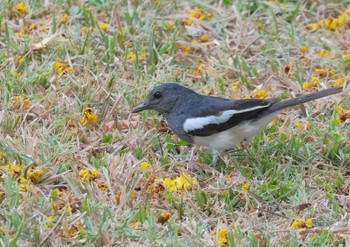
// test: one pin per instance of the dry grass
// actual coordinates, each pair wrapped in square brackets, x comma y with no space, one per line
[83,184]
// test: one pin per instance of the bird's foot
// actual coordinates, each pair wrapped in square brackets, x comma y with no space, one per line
[216,160]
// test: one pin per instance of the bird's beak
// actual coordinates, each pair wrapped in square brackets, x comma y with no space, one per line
[140,107]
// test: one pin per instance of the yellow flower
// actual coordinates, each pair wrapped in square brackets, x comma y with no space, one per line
[35,176]
[199,14]
[23,180]
[306,85]
[1,154]
[339,120]
[49,222]
[324,53]
[104,26]
[260,94]
[89,117]
[186,49]
[145,165]
[301,223]
[60,67]
[16,74]
[314,81]
[142,56]
[75,229]
[19,102]
[102,186]
[88,29]
[44,30]
[21,8]
[181,183]
[222,237]
[135,224]
[164,218]
[325,72]
[298,126]
[33,27]
[56,206]
[346,57]
[209,16]
[169,184]
[331,24]
[187,22]
[117,198]
[204,38]
[23,188]
[199,70]
[339,109]
[196,13]
[314,26]
[245,187]
[87,175]
[236,85]
[304,50]
[133,195]
[64,19]
[132,56]
[14,170]
[84,175]
[94,173]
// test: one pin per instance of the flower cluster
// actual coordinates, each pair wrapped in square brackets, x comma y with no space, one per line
[181,183]
[343,115]
[17,171]
[132,56]
[87,175]
[314,83]
[200,14]
[332,24]
[19,103]
[260,94]
[60,67]
[301,223]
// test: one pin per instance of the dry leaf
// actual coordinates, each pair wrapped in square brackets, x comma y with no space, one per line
[44,42]
[108,127]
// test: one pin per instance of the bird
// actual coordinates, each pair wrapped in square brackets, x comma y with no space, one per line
[214,122]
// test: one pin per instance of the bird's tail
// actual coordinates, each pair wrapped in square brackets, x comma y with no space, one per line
[280,105]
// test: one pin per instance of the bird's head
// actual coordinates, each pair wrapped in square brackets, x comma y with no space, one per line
[163,98]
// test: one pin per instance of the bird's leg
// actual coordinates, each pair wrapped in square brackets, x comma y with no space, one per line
[216,158]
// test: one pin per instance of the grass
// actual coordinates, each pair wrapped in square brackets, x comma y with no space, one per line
[102,183]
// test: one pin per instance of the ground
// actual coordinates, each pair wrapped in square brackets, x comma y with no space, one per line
[78,168]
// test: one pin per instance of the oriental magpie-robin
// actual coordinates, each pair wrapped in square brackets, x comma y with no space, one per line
[214,122]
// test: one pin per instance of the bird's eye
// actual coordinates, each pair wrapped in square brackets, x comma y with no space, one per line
[157,95]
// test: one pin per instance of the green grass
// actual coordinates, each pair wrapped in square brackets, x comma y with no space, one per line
[292,173]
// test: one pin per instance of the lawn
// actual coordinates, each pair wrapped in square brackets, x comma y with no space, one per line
[77,168]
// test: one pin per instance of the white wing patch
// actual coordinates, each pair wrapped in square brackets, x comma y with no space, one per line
[200,122]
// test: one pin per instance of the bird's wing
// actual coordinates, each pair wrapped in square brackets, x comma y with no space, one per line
[216,116]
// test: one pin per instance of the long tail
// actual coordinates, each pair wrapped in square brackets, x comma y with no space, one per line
[280,105]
